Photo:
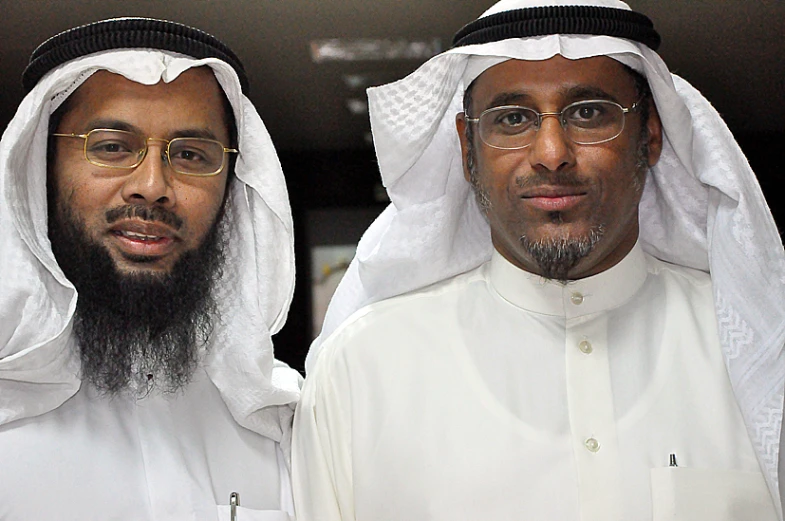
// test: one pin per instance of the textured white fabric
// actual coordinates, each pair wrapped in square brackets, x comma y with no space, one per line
[164,458]
[38,368]
[479,395]
[702,208]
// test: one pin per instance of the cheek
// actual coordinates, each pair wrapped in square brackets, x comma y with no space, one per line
[87,199]
[622,187]
[498,170]
[200,205]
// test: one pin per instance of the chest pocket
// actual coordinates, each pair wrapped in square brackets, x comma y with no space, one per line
[687,494]
[249,514]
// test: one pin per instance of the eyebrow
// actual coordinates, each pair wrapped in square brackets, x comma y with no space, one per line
[116,124]
[570,95]
[508,98]
[195,132]
[584,92]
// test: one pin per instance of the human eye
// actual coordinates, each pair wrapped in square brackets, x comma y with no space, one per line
[189,155]
[196,155]
[111,146]
[512,119]
[590,114]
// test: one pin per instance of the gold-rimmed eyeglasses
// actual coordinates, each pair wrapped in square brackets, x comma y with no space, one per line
[111,148]
[588,122]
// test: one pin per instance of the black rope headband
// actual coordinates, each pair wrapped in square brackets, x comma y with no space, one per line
[125,33]
[565,19]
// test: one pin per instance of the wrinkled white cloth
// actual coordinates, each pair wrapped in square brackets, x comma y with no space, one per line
[489,395]
[163,458]
[702,208]
[38,365]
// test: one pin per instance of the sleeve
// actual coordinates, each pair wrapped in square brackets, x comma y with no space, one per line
[321,454]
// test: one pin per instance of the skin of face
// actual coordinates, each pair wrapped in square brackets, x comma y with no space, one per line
[555,188]
[191,105]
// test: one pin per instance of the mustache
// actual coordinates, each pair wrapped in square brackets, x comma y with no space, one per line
[144,213]
[537,179]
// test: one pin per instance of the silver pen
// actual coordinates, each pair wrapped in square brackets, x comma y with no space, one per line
[234,502]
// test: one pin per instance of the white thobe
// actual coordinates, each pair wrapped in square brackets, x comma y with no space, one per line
[165,457]
[500,395]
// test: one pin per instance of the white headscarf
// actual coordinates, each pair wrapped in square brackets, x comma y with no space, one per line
[702,207]
[38,363]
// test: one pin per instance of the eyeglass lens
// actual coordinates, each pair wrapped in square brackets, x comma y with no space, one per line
[585,122]
[118,148]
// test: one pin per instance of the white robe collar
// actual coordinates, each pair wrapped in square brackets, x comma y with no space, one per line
[601,292]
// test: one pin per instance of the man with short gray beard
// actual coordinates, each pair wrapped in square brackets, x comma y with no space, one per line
[147,261]
[572,309]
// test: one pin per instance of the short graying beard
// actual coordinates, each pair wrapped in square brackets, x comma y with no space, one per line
[557,256]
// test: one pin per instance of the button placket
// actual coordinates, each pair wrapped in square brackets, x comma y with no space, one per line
[592,417]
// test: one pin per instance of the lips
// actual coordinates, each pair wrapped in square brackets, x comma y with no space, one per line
[553,198]
[138,236]
[141,238]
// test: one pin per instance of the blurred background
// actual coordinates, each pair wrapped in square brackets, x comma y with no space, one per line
[309,63]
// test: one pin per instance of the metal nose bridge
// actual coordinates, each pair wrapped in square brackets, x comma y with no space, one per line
[541,115]
[164,149]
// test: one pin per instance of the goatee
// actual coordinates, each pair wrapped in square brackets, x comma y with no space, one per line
[138,331]
[557,256]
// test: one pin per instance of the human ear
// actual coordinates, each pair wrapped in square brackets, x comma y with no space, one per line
[654,126]
[460,126]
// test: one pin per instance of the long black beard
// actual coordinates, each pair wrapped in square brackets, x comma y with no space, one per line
[138,330]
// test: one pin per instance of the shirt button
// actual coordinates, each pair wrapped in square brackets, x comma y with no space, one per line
[577,298]
[592,445]
[585,347]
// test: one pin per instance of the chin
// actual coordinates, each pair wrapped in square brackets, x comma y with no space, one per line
[557,231]
[127,265]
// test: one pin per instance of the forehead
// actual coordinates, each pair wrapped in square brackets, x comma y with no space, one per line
[555,79]
[193,100]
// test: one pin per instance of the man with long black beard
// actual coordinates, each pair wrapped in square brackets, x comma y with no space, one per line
[572,309]
[139,327]
[147,260]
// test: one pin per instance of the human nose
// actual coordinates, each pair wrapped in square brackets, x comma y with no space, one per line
[151,181]
[551,149]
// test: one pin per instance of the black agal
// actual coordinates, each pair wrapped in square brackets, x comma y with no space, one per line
[562,19]
[125,33]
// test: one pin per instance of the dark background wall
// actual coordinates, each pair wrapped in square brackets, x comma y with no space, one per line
[345,183]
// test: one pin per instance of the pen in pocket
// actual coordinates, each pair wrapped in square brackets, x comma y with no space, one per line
[234,502]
